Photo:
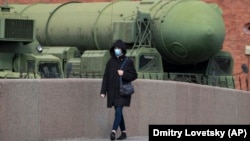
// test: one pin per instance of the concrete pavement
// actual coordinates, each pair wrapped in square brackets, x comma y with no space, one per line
[138,138]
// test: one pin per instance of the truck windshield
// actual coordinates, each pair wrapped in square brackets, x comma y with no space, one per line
[220,66]
[149,63]
[49,70]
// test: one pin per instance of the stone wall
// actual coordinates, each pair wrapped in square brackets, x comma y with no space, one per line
[42,110]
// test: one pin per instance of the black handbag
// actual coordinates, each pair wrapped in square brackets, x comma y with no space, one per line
[126,89]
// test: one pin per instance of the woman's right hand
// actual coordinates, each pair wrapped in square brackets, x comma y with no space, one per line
[102,95]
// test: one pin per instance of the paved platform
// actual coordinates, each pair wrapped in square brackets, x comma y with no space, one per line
[140,138]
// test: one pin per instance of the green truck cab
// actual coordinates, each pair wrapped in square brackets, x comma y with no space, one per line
[20,52]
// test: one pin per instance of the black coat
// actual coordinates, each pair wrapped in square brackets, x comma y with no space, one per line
[111,81]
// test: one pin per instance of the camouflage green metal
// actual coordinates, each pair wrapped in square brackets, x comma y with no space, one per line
[20,52]
[167,39]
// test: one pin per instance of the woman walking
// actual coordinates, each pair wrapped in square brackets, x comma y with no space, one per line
[111,85]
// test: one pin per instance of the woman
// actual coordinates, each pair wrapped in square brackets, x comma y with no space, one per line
[111,85]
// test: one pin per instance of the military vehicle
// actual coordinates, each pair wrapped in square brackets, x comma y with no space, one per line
[20,53]
[178,40]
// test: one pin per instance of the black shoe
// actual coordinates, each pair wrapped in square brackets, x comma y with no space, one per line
[112,136]
[123,136]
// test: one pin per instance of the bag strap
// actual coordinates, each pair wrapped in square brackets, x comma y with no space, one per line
[122,68]
[123,63]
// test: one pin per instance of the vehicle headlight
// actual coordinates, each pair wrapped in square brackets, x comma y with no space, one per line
[39,48]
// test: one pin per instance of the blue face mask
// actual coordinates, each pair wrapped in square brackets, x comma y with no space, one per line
[118,52]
